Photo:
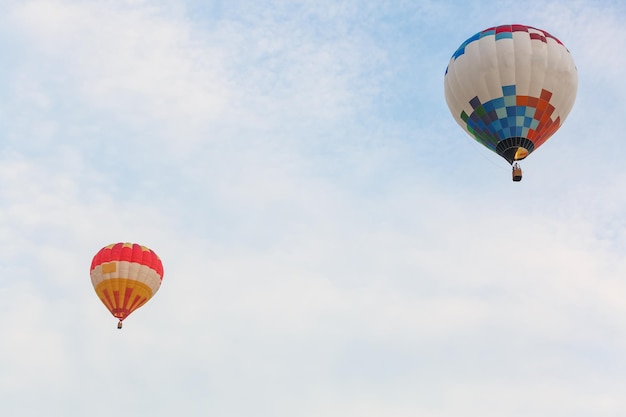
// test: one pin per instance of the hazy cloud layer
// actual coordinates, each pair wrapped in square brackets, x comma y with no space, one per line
[333,243]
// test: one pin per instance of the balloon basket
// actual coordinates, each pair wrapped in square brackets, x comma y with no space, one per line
[517,173]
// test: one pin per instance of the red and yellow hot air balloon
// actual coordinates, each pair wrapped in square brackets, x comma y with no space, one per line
[125,276]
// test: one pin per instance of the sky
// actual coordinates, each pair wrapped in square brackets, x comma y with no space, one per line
[334,244]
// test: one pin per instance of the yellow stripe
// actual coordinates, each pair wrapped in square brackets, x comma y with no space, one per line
[139,294]
[109,267]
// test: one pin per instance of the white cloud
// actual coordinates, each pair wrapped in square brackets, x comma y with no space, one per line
[134,63]
[308,270]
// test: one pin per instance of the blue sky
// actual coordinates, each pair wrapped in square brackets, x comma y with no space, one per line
[333,243]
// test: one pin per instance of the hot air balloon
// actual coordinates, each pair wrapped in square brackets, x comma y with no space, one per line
[511,87]
[125,276]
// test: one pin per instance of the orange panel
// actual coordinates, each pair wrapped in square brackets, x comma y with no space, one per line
[123,296]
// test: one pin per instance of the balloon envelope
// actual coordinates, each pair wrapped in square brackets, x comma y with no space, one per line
[125,276]
[511,87]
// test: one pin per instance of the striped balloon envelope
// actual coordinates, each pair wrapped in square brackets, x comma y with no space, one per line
[125,276]
[510,88]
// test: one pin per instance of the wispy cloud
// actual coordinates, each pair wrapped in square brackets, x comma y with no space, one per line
[329,245]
